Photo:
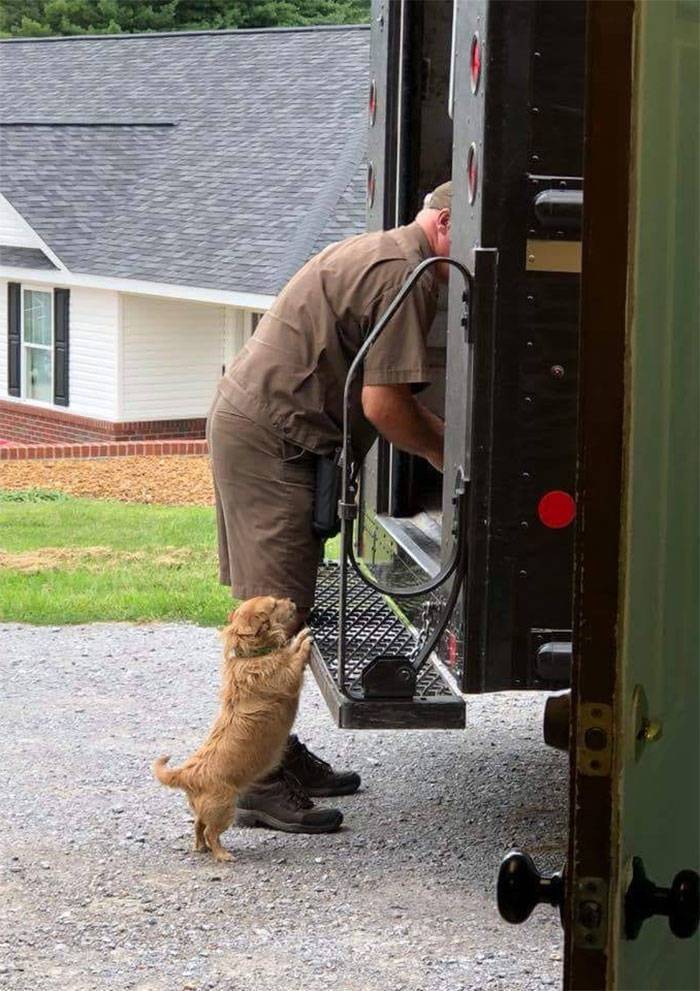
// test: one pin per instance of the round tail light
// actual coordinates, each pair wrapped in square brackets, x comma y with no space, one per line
[475,63]
[556,509]
[472,172]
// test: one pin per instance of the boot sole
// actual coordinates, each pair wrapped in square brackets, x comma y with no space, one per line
[251,819]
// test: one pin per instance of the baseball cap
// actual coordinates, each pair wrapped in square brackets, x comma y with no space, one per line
[440,198]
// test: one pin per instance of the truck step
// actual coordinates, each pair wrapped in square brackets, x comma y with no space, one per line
[373,629]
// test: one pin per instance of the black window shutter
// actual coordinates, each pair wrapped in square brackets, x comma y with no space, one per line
[14,338]
[61,309]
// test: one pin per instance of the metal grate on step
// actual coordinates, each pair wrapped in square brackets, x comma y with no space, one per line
[373,629]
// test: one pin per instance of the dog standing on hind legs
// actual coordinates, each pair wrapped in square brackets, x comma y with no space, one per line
[262,675]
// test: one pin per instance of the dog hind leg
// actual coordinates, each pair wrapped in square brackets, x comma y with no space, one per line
[216,814]
[211,835]
[200,843]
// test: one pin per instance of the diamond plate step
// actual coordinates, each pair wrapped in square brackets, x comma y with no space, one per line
[373,628]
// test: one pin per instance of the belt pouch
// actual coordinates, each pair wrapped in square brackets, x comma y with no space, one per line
[325,522]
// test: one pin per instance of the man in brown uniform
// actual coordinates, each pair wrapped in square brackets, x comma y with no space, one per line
[280,405]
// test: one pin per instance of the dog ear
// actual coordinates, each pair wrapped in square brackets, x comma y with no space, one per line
[249,625]
[260,623]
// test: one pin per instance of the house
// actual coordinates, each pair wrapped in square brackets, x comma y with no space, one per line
[157,191]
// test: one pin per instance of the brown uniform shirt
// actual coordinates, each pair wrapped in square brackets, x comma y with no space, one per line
[291,374]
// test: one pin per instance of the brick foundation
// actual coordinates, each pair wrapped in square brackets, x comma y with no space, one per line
[50,452]
[28,424]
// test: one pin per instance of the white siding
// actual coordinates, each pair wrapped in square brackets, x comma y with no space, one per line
[94,353]
[140,357]
[94,330]
[172,354]
[14,229]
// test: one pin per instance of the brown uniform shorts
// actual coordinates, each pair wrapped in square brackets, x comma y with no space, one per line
[264,494]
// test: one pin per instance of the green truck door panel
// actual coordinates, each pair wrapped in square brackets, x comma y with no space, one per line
[637,589]
[660,552]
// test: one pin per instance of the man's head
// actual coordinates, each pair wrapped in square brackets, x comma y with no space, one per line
[439,198]
[434,219]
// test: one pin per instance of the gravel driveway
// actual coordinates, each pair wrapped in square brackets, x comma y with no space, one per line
[98,889]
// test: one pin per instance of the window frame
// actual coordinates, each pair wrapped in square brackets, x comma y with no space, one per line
[254,318]
[41,347]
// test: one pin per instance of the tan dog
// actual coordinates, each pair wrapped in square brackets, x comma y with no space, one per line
[261,680]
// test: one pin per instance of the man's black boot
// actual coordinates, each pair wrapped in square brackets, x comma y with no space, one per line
[280,803]
[316,776]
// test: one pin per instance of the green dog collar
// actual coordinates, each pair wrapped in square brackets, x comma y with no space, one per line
[256,652]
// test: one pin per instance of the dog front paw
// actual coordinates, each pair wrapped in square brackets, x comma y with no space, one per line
[304,638]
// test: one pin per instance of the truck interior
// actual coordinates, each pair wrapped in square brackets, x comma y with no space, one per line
[413,498]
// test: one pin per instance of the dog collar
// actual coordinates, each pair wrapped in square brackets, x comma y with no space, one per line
[256,652]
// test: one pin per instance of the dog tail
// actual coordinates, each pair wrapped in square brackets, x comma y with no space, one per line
[165,775]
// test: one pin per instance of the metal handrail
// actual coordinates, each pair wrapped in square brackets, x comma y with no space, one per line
[347,507]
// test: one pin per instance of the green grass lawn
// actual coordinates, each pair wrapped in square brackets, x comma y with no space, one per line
[68,560]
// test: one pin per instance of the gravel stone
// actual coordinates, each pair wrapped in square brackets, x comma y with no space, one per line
[100,888]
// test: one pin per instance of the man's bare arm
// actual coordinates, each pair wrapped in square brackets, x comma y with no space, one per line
[401,419]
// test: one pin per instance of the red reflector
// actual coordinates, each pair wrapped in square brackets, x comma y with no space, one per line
[472,173]
[556,509]
[451,649]
[371,184]
[372,103]
[475,63]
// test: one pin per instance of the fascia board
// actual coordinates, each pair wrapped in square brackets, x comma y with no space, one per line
[247,300]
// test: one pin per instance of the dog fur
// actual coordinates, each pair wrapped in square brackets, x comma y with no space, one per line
[259,700]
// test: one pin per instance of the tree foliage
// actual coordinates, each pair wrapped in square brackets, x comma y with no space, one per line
[37,18]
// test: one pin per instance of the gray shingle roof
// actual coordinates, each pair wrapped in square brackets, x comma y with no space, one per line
[24,257]
[220,159]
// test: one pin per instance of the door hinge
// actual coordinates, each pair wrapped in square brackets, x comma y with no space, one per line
[590,912]
[594,739]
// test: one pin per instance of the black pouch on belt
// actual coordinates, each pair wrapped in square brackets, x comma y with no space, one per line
[325,522]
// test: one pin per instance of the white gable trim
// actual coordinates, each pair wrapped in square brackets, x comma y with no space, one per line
[17,233]
[247,300]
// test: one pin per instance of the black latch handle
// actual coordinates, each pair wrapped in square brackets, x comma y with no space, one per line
[679,902]
[561,208]
[521,887]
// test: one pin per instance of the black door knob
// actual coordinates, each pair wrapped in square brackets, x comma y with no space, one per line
[521,887]
[679,902]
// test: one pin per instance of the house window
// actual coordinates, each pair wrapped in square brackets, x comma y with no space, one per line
[37,345]
[255,318]
[38,339]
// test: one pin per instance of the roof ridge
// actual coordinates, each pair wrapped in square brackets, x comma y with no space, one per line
[305,28]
